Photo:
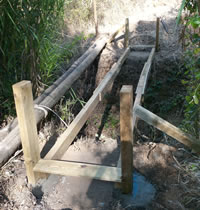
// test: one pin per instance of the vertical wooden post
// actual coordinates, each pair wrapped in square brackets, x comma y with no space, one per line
[157,33]
[27,125]
[126,35]
[95,17]
[126,135]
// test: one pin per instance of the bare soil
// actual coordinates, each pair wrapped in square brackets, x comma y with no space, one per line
[167,164]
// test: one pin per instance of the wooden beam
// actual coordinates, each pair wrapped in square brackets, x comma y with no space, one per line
[95,17]
[141,47]
[126,35]
[105,173]
[28,130]
[157,33]
[126,136]
[64,141]
[168,128]
[145,73]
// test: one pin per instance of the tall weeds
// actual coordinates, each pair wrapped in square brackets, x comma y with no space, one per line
[27,43]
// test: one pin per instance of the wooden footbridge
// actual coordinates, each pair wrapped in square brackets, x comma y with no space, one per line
[130,112]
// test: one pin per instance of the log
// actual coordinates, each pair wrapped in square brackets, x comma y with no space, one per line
[167,128]
[12,141]
[105,173]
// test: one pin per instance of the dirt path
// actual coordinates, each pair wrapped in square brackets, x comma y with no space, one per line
[160,163]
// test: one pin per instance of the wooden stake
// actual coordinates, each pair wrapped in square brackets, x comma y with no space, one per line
[157,33]
[126,135]
[95,17]
[28,130]
[126,39]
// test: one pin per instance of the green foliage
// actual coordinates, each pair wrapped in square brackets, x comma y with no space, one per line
[192,69]
[29,45]
[161,101]
[68,105]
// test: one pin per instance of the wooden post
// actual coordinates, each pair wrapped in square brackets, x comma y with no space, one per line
[126,39]
[126,135]
[95,17]
[157,34]
[28,130]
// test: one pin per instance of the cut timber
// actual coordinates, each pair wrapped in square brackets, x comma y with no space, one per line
[126,137]
[145,74]
[28,131]
[141,47]
[64,141]
[168,128]
[105,173]
[12,141]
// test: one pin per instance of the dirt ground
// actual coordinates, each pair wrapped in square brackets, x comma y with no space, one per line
[170,167]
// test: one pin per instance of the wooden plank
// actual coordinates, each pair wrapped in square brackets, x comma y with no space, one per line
[145,73]
[64,141]
[126,136]
[126,35]
[28,130]
[157,33]
[105,173]
[168,128]
[95,17]
[141,47]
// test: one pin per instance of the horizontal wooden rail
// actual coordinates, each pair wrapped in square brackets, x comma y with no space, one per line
[64,141]
[105,173]
[145,74]
[168,128]
[141,47]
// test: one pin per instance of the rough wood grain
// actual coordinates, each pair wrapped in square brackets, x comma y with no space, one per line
[27,124]
[126,136]
[99,172]
[145,73]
